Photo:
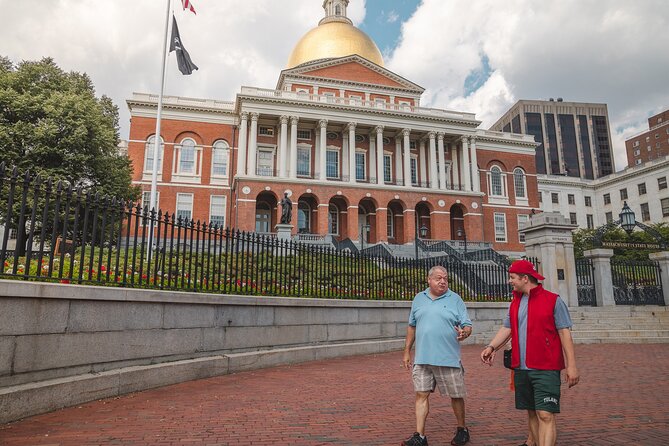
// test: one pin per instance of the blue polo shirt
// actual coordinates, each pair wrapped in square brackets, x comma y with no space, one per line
[435,322]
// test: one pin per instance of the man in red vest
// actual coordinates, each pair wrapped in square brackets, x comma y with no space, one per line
[539,325]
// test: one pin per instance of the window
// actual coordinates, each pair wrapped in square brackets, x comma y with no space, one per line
[519,182]
[642,188]
[662,183]
[387,168]
[609,217]
[303,161]
[148,155]
[360,169]
[184,206]
[414,170]
[657,136]
[390,224]
[637,152]
[637,162]
[555,198]
[329,98]
[500,227]
[665,207]
[333,219]
[645,212]
[265,131]
[572,218]
[332,164]
[146,199]
[590,221]
[187,157]
[496,188]
[647,138]
[304,134]
[404,105]
[265,166]
[303,217]
[380,103]
[607,198]
[217,210]
[219,163]
[522,221]
[636,144]
[588,201]
[571,199]
[623,193]
[355,100]
[541,197]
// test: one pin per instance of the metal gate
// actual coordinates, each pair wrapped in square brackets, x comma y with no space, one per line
[585,282]
[636,282]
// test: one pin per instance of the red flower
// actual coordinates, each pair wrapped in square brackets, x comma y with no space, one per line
[64,280]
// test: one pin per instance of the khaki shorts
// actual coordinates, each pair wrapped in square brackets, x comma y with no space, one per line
[450,380]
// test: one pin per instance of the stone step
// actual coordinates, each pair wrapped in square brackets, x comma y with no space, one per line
[582,334]
[620,326]
[616,340]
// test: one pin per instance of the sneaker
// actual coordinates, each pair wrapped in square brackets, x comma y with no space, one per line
[415,440]
[461,437]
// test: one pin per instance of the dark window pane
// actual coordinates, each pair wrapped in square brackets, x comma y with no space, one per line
[551,135]
[534,129]
[569,146]
[585,146]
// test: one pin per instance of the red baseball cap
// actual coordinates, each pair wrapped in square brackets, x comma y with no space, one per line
[525,267]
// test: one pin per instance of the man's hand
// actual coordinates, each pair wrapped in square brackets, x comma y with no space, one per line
[406,360]
[463,333]
[488,355]
[572,376]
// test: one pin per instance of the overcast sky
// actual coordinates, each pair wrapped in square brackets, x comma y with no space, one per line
[471,55]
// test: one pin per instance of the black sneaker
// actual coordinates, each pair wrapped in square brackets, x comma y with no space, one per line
[416,440]
[461,437]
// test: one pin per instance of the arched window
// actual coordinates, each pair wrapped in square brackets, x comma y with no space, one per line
[333,219]
[391,224]
[496,181]
[303,217]
[187,157]
[519,183]
[148,154]
[219,159]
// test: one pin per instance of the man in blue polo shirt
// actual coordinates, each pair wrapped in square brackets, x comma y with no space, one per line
[438,321]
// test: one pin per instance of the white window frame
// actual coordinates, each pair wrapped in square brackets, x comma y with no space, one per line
[337,166]
[265,130]
[520,185]
[221,205]
[265,149]
[222,148]
[523,219]
[146,198]
[184,203]
[148,155]
[664,206]
[500,218]
[413,169]
[185,144]
[364,165]
[308,132]
[647,216]
[333,219]
[502,198]
[388,168]
[302,149]
[390,224]
[590,221]
[379,103]
[355,100]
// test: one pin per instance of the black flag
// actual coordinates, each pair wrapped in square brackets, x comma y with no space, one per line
[186,66]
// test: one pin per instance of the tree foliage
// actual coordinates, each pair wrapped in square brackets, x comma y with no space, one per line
[583,241]
[52,124]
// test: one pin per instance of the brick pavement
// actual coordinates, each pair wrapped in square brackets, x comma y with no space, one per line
[367,400]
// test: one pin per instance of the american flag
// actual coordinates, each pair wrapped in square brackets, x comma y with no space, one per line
[189,5]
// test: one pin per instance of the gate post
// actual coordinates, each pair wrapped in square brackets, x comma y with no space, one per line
[663,259]
[601,262]
[548,237]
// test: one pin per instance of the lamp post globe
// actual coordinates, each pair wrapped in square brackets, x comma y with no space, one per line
[627,219]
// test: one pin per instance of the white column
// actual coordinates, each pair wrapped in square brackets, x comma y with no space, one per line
[455,165]
[434,179]
[371,156]
[442,161]
[283,147]
[379,155]
[399,177]
[351,151]
[476,179]
[465,164]
[343,157]
[322,165]
[241,149]
[293,147]
[407,157]
[253,144]
[423,166]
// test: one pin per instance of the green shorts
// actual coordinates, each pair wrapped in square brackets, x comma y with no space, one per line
[537,390]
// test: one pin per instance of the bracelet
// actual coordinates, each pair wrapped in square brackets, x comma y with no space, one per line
[490,345]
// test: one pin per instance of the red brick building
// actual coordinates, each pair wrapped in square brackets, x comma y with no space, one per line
[348,141]
[651,144]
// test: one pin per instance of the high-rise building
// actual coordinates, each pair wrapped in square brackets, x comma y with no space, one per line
[348,141]
[651,144]
[574,137]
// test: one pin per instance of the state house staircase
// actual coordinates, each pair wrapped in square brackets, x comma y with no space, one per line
[620,324]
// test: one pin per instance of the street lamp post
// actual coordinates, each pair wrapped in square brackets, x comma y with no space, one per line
[422,234]
[461,233]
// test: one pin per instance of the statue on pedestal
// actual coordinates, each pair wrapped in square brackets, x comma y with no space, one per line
[286,209]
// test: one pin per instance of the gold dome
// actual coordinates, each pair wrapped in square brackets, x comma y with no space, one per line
[334,39]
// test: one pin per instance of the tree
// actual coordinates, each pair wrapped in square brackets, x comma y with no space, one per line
[53,125]
[583,240]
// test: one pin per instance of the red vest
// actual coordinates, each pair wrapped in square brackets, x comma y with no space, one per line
[544,348]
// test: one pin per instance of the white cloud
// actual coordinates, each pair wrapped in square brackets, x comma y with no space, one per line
[392,17]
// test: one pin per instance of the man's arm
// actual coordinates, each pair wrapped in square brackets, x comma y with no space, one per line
[408,343]
[500,339]
[569,356]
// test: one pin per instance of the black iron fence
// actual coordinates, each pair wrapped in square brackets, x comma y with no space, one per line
[73,235]
[585,282]
[636,282]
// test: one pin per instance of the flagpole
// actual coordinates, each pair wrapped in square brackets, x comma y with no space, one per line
[156,144]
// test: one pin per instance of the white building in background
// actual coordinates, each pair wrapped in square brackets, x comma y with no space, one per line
[592,203]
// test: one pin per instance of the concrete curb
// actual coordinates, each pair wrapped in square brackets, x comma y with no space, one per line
[25,400]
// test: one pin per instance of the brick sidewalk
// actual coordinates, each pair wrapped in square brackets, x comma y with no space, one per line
[623,398]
